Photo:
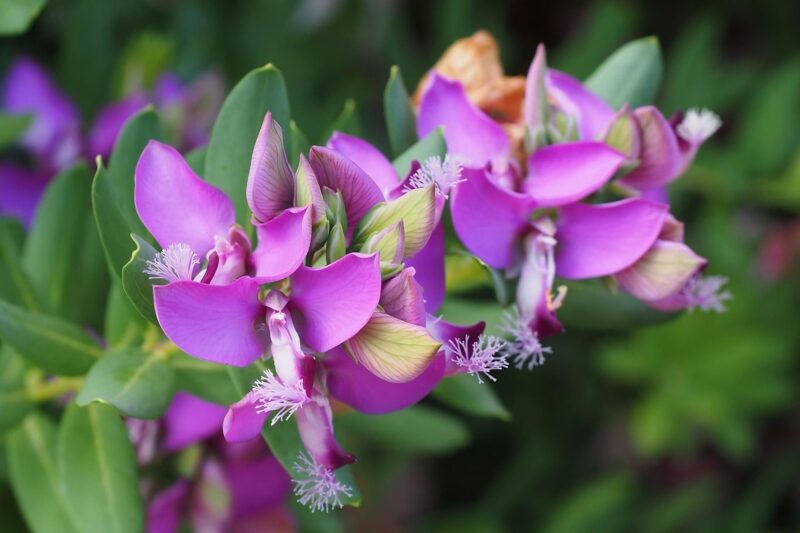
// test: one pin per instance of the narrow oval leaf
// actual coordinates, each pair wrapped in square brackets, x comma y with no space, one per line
[15,286]
[138,384]
[14,400]
[464,393]
[137,285]
[415,209]
[17,15]
[401,123]
[54,345]
[33,469]
[431,145]
[630,75]
[236,128]
[393,350]
[123,325]
[346,122]
[97,467]
[206,380]
[12,127]
[297,143]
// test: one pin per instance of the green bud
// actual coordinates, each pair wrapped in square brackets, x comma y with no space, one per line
[337,245]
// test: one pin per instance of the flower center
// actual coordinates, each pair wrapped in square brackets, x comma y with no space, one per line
[177,262]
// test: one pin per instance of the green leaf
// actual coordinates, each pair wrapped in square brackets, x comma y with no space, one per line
[432,145]
[592,307]
[15,287]
[410,431]
[34,477]
[137,383]
[298,143]
[206,380]
[630,75]
[283,438]
[137,285]
[346,122]
[604,505]
[14,400]
[400,119]
[16,15]
[236,128]
[123,324]
[12,127]
[464,393]
[97,466]
[197,160]
[54,345]
[61,254]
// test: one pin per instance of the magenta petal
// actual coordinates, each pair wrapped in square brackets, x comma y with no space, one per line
[366,156]
[338,173]
[212,322]
[572,98]
[176,205]
[270,184]
[362,390]
[242,421]
[332,303]
[20,190]
[471,135]
[401,297]
[564,173]
[429,266]
[660,157]
[190,419]
[315,424]
[448,333]
[488,218]
[109,123]
[54,134]
[598,240]
[165,510]
[257,485]
[282,244]
[535,105]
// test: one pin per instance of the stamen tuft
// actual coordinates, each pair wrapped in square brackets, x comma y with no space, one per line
[524,346]
[177,263]
[706,294]
[699,125]
[443,174]
[275,396]
[318,487]
[485,358]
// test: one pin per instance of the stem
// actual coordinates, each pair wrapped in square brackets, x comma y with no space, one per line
[41,391]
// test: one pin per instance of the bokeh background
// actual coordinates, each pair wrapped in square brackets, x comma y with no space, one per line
[692,425]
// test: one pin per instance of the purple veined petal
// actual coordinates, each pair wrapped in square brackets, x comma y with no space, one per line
[21,191]
[660,158]
[535,106]
[489,220]
[338,173]
[448,333]
[471,135]
[190,419]
[243,422]
[429,267]
[315,424]
[218,323]
[176,205]
[109,123]
[283,243]
[591,112]
[663,271]
[270,183]
[165,509]
[332,303]
[401,297]
[369,158]
[257,486]
[362,390]
[561,174]
[598,240]
[54,134]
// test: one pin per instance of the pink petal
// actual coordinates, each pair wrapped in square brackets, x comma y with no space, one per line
[332,303]
[190,419]
[366,156]
[283,243]
[242,421]
[165,510]
[564,173]
[315,424]
[429,266]
[598,240]
[109,123]
[470,134]
[489,219]
[401,297]
[337,172]
[212,322]
[448,333]
[21,191]
[362,390]
[257,485]
[270,183]
[535,107]
[591,112]
[176,205]
[660,158]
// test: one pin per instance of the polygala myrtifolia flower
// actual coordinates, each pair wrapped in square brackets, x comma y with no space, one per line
[534,150]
